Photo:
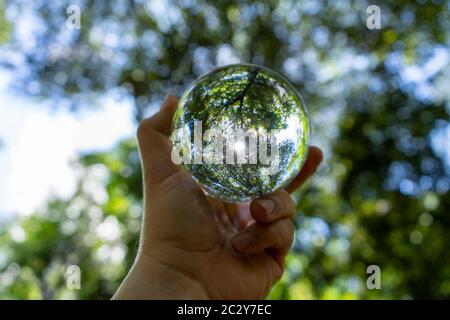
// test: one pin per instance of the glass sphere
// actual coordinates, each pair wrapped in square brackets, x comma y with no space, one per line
[241,131]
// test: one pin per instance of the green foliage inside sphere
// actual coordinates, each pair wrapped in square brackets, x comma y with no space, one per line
[249,100]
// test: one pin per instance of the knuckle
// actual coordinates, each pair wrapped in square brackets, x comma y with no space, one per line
[141,130]
[291,207]
[287,226]
[273,232]
[281,229]
[145,131]
[284,203]
[289,203]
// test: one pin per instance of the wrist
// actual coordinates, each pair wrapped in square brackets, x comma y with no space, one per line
[151,279]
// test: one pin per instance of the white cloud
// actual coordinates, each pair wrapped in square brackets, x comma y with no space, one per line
[39,145]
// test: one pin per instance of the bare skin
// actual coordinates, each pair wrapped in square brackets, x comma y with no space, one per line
[193,246]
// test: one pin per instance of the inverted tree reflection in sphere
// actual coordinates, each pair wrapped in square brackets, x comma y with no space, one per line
[232,117]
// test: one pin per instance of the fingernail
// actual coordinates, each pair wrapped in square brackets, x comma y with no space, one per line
[267,204]
[242,241]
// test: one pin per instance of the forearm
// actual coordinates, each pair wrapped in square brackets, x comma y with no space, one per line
[149,279]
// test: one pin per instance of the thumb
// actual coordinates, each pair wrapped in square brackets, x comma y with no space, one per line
[154,145]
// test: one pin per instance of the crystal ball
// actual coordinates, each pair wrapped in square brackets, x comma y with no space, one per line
[242,131]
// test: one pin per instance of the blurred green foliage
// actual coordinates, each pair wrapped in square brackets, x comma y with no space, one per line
[382,197]
[5,26]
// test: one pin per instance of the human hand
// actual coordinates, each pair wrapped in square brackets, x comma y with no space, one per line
[194,246]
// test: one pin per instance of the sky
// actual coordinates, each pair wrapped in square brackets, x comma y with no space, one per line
[39,145]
